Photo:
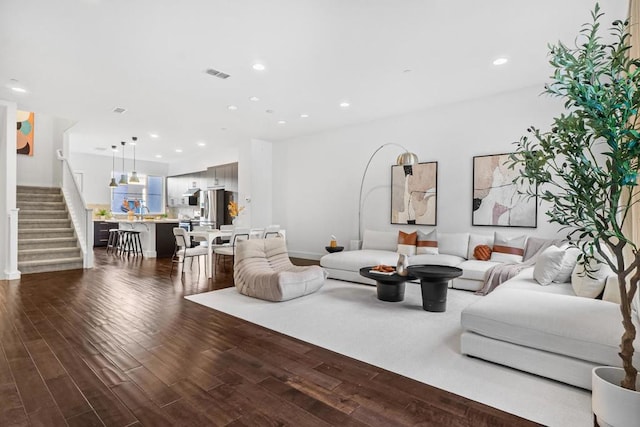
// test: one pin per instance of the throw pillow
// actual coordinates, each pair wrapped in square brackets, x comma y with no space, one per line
[569,261]
[482,253]
[548,265]
[590,287]
[479,239]
[507,249]
[407,243]
[427,243]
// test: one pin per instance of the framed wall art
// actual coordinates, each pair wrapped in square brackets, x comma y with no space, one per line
[414,194]
[24,137]
[496,201]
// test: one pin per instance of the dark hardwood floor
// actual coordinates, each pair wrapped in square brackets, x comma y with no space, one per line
[118,345]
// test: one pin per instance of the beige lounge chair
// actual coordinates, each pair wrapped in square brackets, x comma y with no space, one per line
[262,269]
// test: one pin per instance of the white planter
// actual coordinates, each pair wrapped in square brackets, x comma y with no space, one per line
[613,405]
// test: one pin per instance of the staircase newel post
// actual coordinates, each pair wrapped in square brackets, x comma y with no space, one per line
[12,271]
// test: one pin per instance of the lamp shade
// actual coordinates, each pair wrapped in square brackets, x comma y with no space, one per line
[134,178]
[406,159]
[123,179]
[113,182]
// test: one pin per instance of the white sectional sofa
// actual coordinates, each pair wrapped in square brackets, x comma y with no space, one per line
[380,247]
[545,330]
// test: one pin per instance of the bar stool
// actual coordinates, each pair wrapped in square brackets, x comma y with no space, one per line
[131,243]
[114,240]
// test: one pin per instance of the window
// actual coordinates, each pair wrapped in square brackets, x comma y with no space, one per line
[145,197]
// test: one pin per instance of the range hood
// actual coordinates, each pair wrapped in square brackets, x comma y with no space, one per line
[191,192]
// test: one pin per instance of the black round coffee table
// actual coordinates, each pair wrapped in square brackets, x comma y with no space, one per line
[390,287]
[433,282]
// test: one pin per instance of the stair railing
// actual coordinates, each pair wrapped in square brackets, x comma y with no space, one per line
[81,215]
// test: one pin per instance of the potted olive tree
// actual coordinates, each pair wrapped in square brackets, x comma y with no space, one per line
[587,167]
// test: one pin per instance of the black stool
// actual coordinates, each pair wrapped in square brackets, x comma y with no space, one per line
[131,243]
[113,243]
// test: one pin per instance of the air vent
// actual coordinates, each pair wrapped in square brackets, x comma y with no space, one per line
[218,74]
[119,110]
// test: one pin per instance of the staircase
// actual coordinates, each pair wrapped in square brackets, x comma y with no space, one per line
[46,239]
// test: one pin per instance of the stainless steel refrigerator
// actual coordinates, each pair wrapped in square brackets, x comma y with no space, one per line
[213,207]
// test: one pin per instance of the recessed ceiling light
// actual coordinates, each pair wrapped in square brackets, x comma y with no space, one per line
[153,135]
[158,156]
[304,116]
[254,99]
[232,107]
[178,150]
[201,144]
[18,89]
[344,104]
[258,66]
[282,122]
[500,61]
[101,149]
[268,111]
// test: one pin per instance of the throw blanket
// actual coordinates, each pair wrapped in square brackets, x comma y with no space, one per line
[502,272]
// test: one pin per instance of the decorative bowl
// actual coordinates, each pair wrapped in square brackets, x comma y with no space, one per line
[332,249]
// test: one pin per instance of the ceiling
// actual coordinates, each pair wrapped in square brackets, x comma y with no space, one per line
[78,59]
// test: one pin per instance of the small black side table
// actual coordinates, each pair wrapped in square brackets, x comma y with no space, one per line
[390,287]
[433,282]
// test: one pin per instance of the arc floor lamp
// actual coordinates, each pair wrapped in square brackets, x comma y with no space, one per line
[404,159]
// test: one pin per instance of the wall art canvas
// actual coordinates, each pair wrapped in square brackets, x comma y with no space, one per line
[414,194]
[24,139]
[496,201]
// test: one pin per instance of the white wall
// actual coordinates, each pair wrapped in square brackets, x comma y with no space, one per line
[317,177]
[43,169]
[255,183]
[96,170]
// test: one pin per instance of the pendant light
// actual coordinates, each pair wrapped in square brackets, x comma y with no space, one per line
[123,176]
[134,175]
[113,182]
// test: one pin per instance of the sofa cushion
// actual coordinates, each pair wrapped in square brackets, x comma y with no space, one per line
[407,243]
[440,259]
[507,249]
[548,265]
[590,285]
[354,260]
[427,243]
[583,328]
[380,240]
[474,269]
[453,244]
[569,262]
[478,239]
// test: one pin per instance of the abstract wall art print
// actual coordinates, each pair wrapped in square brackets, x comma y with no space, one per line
[496,200]
[414,194]
[24,137]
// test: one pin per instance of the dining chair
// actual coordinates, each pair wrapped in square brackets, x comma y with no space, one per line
[229,249]
[184,250]
[271,231]
[202,241]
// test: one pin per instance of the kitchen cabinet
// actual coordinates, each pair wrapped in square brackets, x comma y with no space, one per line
[165,242]
[101,233]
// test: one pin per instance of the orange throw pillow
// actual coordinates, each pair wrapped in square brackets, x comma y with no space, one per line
[482,252]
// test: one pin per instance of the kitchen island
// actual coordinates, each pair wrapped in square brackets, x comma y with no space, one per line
[156,235]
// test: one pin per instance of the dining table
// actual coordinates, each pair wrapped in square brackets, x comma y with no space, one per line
[210,236]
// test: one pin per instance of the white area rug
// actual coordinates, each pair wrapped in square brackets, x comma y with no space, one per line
[401,337]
